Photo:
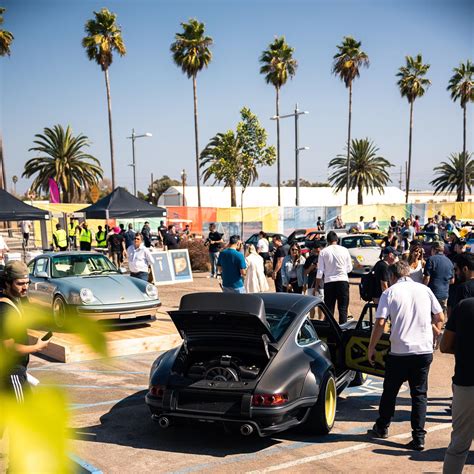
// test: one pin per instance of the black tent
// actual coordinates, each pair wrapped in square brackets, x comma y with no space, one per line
[12,209]
[120,204]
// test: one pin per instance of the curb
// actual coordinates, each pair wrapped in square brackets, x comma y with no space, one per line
[82,466]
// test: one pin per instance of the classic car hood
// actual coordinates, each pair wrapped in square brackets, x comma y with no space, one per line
[110,289]
[366,255]
[218,318]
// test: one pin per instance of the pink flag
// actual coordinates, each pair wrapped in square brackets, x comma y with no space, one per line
[53,192]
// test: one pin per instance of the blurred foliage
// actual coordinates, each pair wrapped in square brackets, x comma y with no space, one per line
[198,254]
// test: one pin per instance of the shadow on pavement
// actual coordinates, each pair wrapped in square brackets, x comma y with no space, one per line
[427,455]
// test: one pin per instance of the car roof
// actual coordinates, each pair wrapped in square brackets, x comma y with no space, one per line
[296,303]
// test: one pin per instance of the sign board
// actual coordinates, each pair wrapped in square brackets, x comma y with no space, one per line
[173,266]
[94,193]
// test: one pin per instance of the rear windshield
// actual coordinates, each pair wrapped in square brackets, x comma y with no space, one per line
[279,321]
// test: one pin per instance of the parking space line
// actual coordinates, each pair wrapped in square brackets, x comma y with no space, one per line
[84,465]
[99,387]
[55,369]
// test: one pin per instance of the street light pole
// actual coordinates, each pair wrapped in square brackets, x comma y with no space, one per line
[133,165]
[183,182]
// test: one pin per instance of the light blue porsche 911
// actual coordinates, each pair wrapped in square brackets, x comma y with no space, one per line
[89,284]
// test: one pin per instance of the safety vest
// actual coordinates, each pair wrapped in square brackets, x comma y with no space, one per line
[101,238]
[72,229]
[61,238]
[86,236]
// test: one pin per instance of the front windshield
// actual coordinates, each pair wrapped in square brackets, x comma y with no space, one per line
[357,242]
[279,321]
[80,265]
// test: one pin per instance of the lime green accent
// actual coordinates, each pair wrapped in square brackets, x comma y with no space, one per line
[356,355]
[330,401]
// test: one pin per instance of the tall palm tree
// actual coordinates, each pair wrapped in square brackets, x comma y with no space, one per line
[461,86]
[369,171]
[191,53]
[412,84]
[347,64]
[278,65]
[62,158]
[455,175]
[6,40]
[104,37]
[222,160]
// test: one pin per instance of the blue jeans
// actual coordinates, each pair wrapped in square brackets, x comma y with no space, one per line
[213,256]
[227,289]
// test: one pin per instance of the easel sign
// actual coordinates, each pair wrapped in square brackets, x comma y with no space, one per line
[161,269]
[180,265]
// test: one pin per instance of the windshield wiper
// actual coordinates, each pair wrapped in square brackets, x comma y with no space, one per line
[99,272]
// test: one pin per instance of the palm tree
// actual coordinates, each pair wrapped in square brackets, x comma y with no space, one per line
[347,63]
[191,53]
[6,39]
[278,65]
[369,171]
[104,37]
[412,84]
[461,86]
[455,175]
[62,159]
[222,160]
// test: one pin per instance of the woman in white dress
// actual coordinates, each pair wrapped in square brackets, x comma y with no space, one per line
[417,263]
[255,279]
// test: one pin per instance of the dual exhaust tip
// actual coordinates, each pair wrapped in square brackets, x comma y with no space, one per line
[245,430]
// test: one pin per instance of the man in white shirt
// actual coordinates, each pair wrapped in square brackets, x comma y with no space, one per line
[360,225]
[139,257]
[374,225]
[25,227]
[416,321]
[263,246]
[335,264]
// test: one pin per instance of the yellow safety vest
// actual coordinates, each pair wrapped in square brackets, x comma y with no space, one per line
[72,230]
[86,236]
[61,237]
[101,238]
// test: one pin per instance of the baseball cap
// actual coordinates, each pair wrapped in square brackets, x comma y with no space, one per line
[15,271]
[388,249]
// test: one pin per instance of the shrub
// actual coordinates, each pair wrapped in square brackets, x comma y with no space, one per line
[198,254]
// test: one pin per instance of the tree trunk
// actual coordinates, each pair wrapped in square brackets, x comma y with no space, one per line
[360,196]
[109,108]
[277,89]
[407,191]
[3,174]
[196,140]
[464,154]
[233,198]
[348,171]
[242,213]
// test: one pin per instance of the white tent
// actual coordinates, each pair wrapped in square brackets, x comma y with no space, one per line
[218,196]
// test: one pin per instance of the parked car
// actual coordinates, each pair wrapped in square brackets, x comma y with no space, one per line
[253,239]
[427,239]
[364,251]
[314,236]
[377,235]
[88,284]
[298,236]
[258,363]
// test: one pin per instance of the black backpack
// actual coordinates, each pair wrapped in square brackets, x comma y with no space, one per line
[367,285]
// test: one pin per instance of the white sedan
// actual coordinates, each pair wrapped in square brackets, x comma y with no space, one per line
[364,251]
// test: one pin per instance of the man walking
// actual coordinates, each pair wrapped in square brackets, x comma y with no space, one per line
[231,264]
[279,253]
[146,233]
[129,236]
[214,241]
[457,340]
[139,258]
[335,264]
[416,321]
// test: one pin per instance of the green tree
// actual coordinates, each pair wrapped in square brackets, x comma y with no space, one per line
[62,159]
[6,40]
[305,183]
[451,176]
[191,53]
[461,86]
[412,85]
[104,37]
[347,63]
[369,171]
[159,186]
[278,65]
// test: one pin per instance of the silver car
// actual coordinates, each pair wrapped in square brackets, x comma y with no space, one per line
[88,284]
[364,251]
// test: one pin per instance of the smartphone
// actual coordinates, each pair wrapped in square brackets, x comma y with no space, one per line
[47,336]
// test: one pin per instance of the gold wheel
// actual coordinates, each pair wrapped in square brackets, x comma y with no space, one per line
[330,402]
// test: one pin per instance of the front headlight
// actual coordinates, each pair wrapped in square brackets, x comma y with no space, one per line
[151,291]
[86,295]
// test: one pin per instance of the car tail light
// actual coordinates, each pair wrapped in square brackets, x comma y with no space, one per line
[157,391]
[269,399]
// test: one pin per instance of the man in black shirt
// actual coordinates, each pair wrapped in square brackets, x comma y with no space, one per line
[311,266]
[171,238]
[457,340]
[278,256]
[381,273]
[214,241]
[146,232]
[162,229]
[116,244]
[464,268]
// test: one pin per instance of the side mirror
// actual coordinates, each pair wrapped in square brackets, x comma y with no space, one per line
[41,275]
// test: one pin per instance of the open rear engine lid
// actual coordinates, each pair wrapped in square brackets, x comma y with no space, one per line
[222,316]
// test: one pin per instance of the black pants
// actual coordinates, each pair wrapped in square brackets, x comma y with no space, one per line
[399,369]
[337,291]
[279,288]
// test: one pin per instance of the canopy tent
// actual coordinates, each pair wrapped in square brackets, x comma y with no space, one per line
[12,209]
[120,204]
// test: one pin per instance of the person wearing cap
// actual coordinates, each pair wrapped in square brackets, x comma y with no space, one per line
[439,273]
[60,238]
[85,239]
[116,244]
[14,281]
[381,274]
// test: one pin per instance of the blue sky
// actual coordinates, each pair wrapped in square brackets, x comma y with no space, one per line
[48,80]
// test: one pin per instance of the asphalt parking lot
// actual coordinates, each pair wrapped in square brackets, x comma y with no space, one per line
[114,432]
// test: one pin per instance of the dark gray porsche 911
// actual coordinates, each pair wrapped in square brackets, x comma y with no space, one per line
[259,363]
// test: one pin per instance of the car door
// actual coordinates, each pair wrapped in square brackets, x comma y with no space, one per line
[356,344]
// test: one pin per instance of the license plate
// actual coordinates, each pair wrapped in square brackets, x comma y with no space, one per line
[127,316]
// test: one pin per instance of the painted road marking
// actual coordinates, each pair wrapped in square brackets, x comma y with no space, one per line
[338,452]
